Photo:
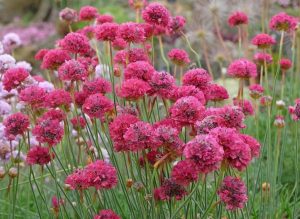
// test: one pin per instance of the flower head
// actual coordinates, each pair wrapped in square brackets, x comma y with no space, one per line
[283,22]
[168,190]
[15,124]
[106,31]
[97,85]
[13,78]
[75,43]
[245,105]
[179,57]
[285,64]
[107,214]
[156,14]
[68,15]
[188,90]
[131,32]
[162,83]
[54,58]
[242,68]
[6,62]
[139,70]
[176,24]
[97,105]
[263,41]
[39,155]
[88,13]
[198,77]
[104,18]
[58,98]
[256,91]
[133,89]
[33,96]
[261,58]
[215,92]
[237,18]
[185,172]
[72,70]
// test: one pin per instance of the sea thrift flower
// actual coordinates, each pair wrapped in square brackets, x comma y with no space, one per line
[263,41]
[119,43]
[215,92]
[78,123]
[13,78]
[98,85]
[285,64]
[187,110]
[101,175]
[106,31]
[53,114]
[137,54]
[88,13]
[156,14]
[104,18]
[179,57]
[205,152]
[40,54]
[261,58]
[162,83]
[75,43]
[131,32]
[77,180]
[283,22]
[253,144]
[118,128]
[6,62]
[176,24]
[188,90]
[246,105]
[133,89]
[33,95]
[15,124]
[54,58]
[80,98]
[256,91]
[39,155]
[208,123]
[168,190]
[107,214]
[58,98]
[279,121]
[242,68]
[97,105]
[68,15]
[72,70]
[233,193]
[198,77]
[266,101]
[184,172]
[11,41]
[139,70]
[237,18]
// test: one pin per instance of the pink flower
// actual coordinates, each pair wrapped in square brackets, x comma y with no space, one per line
[266,101]
[185,172]
[198,77]
[285,64]
[260,58]
[237,18]
[72,70]
[119,43]
[106,31]
[256,91]
[156,14]
[58,98]
[176,24]
[283,22]
[133,89]
[39,155]
[246,106]
[53,114]
[97,85]
[233,193]
[78,123]
[242,68]
[179,57]
[131,32]
[104,18]
[118,128]
[33,96]
[77,180]
[215,92]
[294,111]
[187,110]
[253,144]
[75,43]
[139,70]
[137,54]
[107,214]
[168,190]
[188,90]
[40,54]
[101,175]
[88,13]
[15,124]
[205,152]
[48,131]
[263,41]
[208,123]
[68,15]
[97,105]
[139,136]
[54,58]
[80,98]
[13,78]
[162,83]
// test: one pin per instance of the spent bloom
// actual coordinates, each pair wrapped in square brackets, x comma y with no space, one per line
[88,13]
[179,57]
[13,78]
[68,15]
[242,68]
[156,14]
[15,124]
[283,22]
[233,193]
[39,155]
[6,62]
[263,41]
[237,18]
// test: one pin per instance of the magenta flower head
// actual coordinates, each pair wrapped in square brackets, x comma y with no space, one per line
[107,214]
[78,180]
[106,31]
[263,41]
[98,85]
[285,64]
[40,54]
[88,13]
[253,144]
[261,58]
[97,105]
[233,193]
[205,152]
[54,58]
[133,89]
[139,70]
[187,110]
[132,32]
[105,18]
[162,83]
[256,91]
[39,155]
[33,96]
[119,43]
[68,15]
[15,124]
[185,172]
[156,14]
[245,105]
[283,22]
[78,123]
[72,70]
[176,24]
[14,77]
[168,190]
[75,43]
[188,90]
[198,77]
[58,98]
[242,68]
[179,57]
[215,92]
[237,18]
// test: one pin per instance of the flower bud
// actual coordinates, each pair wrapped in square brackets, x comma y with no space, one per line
[13,172]
[280,104]
[129,183]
